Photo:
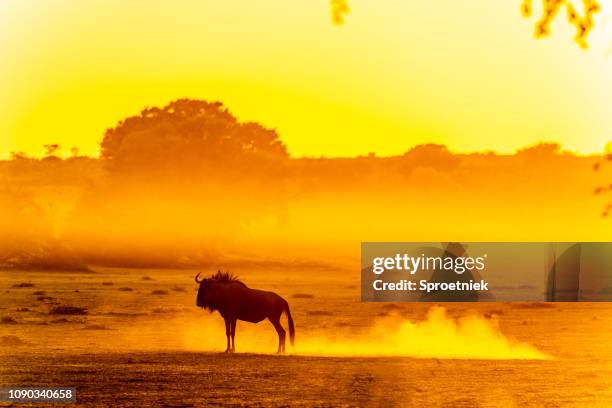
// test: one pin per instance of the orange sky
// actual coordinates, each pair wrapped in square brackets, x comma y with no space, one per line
[398,73]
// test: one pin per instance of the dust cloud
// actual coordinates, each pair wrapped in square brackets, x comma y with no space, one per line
[438,336]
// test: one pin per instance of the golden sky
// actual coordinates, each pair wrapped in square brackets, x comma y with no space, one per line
[398,73]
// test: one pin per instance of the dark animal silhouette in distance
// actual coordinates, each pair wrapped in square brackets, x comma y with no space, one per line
[236,301]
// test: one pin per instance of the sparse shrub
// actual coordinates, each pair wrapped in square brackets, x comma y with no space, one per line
[159,292]
[23,285]
[95,327]
[107,283]
[68,310]
[161,310]
[126,289]
[179,289]
[8,320]
[533,305]
[319,313]
[44,298]
[39,293]
[147,278]
[303,296]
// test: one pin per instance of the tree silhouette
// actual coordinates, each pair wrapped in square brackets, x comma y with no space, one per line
[544,149]
[187,135]
[551,8]
[430,155]
[604,189]
[51,149]
[339,10]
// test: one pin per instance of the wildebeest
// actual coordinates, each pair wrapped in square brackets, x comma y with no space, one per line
[235,301]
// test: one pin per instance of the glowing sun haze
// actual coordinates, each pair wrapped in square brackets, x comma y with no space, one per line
[396,74]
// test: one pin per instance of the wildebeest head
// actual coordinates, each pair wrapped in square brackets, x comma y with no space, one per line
[206,293]
[201,300]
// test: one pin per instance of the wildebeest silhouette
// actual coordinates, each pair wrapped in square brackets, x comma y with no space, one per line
[236,301]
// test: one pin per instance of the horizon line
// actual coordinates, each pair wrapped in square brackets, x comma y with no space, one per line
[65,154]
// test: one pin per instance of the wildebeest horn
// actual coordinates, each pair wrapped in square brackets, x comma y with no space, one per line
[196,278]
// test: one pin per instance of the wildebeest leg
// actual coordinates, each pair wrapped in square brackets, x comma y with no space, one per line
[281,334]
[227,334]
[233,330]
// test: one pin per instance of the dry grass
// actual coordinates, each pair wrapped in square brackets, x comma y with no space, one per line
[96,327]
[11,340]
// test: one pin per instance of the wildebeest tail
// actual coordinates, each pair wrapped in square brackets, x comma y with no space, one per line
[291,327]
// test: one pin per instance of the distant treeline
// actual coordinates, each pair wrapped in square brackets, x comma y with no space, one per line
[189,184]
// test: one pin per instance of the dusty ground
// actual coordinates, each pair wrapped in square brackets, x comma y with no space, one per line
[142,342]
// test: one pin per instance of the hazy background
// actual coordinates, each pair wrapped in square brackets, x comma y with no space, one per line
[395,75]
[190,184]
